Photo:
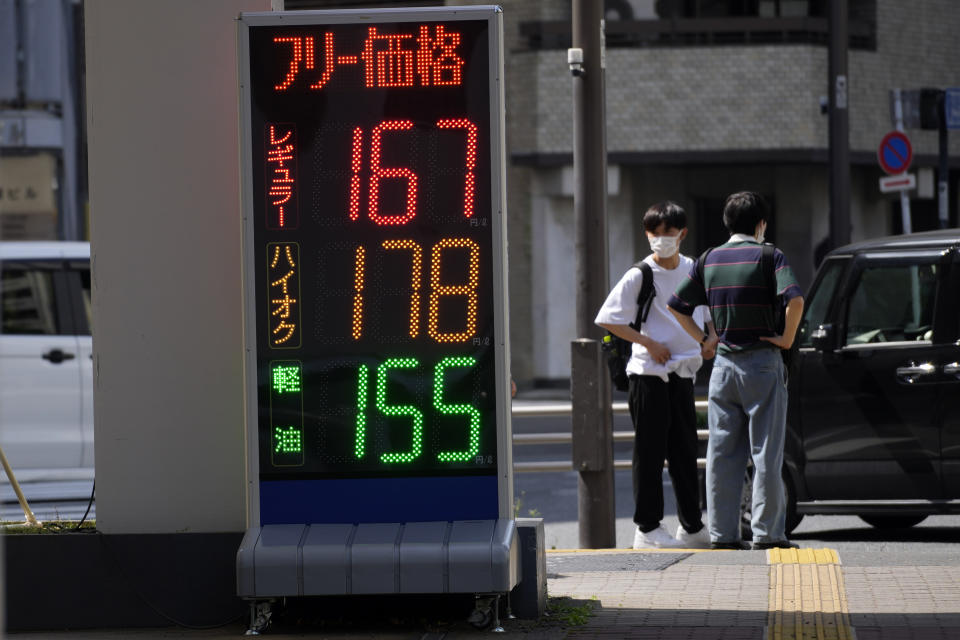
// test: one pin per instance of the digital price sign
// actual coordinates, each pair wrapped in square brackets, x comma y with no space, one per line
[377,386]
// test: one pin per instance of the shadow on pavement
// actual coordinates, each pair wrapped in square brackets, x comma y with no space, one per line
[871,534]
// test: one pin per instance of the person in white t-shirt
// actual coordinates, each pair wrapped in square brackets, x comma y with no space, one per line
[661,369]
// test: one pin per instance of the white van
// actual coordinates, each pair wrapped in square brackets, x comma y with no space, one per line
[46,360]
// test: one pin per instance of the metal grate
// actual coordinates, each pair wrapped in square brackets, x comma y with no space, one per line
[558,564]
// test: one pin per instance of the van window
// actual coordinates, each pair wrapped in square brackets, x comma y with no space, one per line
[86,310]
[893,303]
[815,311]
[27,300]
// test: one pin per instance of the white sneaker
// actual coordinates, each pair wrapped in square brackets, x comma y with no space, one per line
[656,539]
[698,540]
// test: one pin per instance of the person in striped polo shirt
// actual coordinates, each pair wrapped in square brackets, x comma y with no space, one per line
[748,386]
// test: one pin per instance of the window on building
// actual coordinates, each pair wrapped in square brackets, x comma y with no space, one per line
[743,8]
[690,23]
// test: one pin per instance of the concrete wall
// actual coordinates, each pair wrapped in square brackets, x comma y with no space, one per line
[703,98]
[165,239]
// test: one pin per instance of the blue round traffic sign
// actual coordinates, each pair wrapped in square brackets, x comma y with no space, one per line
[895,152]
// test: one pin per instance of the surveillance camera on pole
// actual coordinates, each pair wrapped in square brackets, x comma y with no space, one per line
[575,61]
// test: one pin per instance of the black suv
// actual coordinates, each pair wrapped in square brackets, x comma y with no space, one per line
[874,415]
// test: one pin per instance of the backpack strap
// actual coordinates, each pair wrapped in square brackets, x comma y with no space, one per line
[646,295]
[701,262]
[767,268]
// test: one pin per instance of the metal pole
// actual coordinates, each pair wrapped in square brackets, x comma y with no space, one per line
[839,126]
[589,385]
[592,441]
[943,173]
[904,197]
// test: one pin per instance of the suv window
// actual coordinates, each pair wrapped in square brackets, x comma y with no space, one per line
[893,303]
[27,300]
[816,310]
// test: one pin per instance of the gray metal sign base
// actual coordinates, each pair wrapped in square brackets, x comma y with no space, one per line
[472,556]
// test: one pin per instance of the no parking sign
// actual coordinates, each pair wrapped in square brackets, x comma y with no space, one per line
[895,152]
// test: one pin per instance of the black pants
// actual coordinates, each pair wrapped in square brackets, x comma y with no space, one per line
[665,424]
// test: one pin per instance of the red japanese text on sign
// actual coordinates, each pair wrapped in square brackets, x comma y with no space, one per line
[427,58]
[281,160]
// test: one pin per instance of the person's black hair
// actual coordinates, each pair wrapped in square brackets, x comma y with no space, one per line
[669,213]
[743,211]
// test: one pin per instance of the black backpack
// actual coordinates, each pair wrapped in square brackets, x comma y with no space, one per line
[617,349]
[767,267]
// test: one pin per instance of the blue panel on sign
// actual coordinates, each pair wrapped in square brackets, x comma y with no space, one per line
[895,154]
[378,500]
[952,108]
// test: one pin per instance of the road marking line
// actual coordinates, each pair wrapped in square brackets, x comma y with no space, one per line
[807,596]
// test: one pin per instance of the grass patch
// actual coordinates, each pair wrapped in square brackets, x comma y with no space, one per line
[51,527]
[569,612]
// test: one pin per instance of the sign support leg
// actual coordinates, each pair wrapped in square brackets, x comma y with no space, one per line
[904,198]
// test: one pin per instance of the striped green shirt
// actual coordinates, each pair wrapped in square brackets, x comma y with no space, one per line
[737,293]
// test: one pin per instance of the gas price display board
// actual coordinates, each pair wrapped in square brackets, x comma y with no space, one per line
[374,263]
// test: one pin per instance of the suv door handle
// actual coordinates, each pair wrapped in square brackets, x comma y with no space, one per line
[911,373]
[56,356]
[952,369]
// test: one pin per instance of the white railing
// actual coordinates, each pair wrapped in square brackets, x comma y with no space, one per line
[555,409]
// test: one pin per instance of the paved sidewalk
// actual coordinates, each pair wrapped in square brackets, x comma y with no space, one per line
[688,595]
[728,595]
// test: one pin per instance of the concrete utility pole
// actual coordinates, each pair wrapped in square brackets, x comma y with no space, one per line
[589,384]
[839,126]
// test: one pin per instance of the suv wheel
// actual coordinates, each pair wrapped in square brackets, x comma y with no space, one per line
[892,522]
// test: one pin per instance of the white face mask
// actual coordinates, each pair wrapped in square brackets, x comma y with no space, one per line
[664,246]
[762,234]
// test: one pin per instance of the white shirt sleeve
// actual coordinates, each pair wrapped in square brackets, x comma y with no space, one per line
[701,315]
[620,307]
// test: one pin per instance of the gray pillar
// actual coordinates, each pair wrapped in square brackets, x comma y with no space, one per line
[593,445]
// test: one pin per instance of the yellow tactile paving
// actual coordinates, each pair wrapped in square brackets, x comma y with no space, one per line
[803,556]
[807,597]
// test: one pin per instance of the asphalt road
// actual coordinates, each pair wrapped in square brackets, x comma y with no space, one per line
[553,496]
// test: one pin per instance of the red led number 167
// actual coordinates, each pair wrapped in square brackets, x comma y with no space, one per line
[378,172]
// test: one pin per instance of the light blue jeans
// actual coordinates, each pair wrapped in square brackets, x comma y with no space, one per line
[747,417]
